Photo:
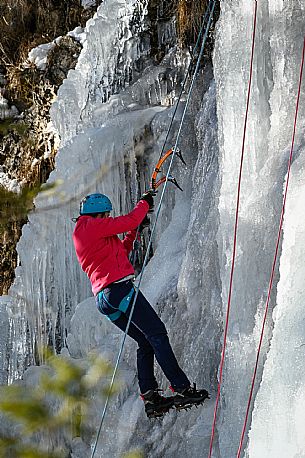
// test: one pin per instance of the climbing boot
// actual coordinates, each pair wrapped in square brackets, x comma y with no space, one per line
[155,404]
[185,398]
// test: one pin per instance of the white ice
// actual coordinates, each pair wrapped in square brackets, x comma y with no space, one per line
[6,111]
[39,55]
[8,183]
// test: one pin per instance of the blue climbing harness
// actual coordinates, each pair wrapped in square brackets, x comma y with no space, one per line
[123,306]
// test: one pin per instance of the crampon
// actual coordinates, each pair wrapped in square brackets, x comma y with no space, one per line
[186,398]
[159,413]
[156,405]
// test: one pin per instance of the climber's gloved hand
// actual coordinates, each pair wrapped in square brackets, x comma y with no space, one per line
[145,223]
[148,196]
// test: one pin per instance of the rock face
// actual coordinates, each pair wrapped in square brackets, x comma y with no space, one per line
[8,254]
[61,59]
[28,141]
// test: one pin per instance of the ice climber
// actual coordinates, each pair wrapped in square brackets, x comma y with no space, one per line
[104,258]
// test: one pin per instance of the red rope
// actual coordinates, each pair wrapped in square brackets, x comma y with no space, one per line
[275,255]
[235,232]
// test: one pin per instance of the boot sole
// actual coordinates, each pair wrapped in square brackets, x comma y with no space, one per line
[160,412]
[185,405]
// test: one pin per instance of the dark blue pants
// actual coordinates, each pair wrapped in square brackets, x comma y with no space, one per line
[147,330]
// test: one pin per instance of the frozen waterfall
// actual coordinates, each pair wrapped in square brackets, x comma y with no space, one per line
[279,40]
[112,113]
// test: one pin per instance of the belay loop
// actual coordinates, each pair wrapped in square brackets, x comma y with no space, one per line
[154,183]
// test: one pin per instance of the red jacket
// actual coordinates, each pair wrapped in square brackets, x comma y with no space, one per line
[100,252]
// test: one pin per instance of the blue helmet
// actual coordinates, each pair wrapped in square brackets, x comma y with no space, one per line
[95,203]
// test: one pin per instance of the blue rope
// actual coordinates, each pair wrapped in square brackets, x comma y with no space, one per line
[185,78]
[155,223]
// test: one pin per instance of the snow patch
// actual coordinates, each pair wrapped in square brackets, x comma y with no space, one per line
[10,184]
[78,34]
[39,55]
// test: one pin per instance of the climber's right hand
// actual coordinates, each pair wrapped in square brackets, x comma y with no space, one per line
[148,196]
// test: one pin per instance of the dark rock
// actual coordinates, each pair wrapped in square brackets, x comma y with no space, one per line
[61,59]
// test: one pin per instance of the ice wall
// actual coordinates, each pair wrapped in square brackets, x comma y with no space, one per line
[106,64]
[4,327]
[277,424]
[279,38]
[276,428]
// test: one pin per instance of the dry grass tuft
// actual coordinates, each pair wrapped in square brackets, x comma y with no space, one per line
[189,18]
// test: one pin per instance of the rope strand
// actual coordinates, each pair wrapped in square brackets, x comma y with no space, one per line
[185,78]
